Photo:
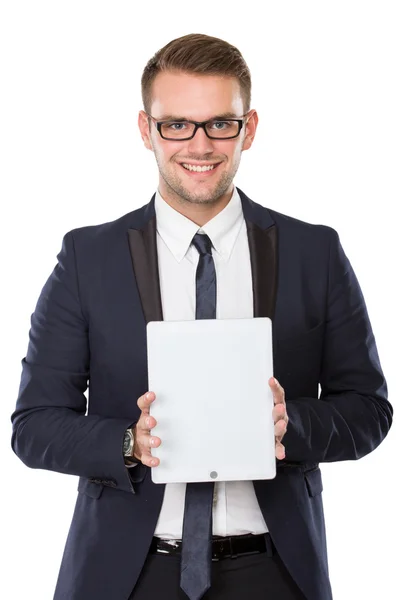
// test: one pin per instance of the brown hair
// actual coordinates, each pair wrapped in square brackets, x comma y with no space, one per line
[201,54]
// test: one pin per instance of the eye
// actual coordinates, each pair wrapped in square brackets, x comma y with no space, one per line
[222,125]
[176,126]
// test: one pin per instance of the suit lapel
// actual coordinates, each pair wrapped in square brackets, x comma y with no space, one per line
[263,247]
[262,238]
[263,258]
[143,249]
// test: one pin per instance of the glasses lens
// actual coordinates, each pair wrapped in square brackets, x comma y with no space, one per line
[222,129]
[177,130]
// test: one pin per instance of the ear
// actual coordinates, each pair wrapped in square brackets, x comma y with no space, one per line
[143,122]
[251,127]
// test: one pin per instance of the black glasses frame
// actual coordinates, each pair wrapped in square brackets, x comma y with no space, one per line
[198,125]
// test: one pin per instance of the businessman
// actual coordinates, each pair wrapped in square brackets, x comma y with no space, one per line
[199,249]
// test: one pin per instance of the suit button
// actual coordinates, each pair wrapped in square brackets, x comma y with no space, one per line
[110,482]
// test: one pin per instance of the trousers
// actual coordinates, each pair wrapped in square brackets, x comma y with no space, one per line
[255,576]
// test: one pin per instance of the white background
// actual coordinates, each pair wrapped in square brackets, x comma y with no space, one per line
[326,87]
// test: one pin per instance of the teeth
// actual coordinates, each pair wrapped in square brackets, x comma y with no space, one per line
[198,168]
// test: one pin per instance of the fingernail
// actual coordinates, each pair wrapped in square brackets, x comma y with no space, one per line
[275,381]
[148,422]
[148,396]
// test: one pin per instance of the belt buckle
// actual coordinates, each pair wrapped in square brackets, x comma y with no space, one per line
[168,547]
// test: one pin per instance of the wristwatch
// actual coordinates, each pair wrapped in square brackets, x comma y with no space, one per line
[128,445]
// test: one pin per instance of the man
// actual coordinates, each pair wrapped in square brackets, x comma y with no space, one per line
[129,537]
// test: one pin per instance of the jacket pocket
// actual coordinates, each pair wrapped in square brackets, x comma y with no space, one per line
[94,490]
[314,481]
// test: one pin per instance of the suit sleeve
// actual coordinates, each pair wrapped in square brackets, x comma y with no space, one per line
[352,415]
[50,427]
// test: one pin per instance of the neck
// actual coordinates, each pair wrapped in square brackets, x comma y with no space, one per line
[198,212]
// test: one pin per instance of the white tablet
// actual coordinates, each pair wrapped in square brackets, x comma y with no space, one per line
[213,404]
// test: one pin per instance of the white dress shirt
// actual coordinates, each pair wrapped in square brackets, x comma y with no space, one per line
[235,508]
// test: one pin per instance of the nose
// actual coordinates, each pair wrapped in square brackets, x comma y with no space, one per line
[200,143]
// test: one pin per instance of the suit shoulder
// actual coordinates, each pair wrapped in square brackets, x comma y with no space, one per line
[265,217]
[104,235]
[104,229]
[303,229]
[283,220]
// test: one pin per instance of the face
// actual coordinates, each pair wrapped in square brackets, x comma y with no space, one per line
[197,98]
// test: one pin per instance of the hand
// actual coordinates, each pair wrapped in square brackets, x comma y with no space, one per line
[143,440]
[280,416]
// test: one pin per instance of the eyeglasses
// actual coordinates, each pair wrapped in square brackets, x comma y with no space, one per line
[215,129]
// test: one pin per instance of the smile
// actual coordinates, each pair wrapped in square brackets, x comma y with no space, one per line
[203,169]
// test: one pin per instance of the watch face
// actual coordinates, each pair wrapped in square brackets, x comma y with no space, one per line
[127,442]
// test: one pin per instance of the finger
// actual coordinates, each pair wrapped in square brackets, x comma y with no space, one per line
[150,422]
[143,446]
[153,441]
[145,401]
[277,391]
[149,460]
[146,422]
[280,429]
[150,442]
[280,451]
[279,413]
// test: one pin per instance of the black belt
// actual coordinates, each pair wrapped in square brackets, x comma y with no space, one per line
[222,547]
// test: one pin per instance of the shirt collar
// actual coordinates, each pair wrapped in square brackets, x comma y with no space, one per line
[177,231]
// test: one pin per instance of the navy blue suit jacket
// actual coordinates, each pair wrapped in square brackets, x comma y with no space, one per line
[89,329]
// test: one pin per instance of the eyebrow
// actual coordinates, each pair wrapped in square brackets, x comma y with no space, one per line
[220,117]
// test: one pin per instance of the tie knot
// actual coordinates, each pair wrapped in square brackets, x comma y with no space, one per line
[202,243]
